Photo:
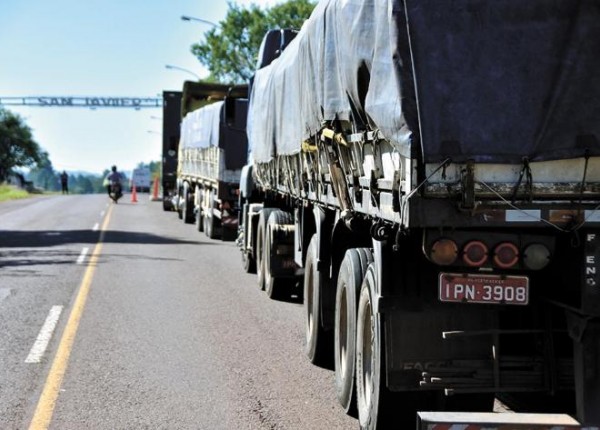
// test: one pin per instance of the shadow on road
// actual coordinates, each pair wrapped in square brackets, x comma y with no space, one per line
[25,249]
[22,258]
[45,238]
[19,259]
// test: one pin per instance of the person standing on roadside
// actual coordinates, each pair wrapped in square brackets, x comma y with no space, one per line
[64,182]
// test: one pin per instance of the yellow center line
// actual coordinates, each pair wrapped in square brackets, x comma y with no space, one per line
[45,407]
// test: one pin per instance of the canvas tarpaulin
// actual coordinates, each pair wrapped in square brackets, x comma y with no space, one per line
[487,80]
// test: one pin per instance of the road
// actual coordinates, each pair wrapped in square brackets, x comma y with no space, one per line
[159,328]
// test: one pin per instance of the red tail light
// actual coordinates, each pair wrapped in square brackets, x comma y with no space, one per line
[506,255]
[444,252]
[475,253]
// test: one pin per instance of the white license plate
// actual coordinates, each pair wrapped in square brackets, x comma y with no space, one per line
[489,289]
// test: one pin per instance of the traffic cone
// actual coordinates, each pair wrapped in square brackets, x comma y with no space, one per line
[133,193]
[155,190]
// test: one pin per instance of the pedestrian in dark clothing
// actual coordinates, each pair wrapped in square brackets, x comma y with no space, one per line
[64,182]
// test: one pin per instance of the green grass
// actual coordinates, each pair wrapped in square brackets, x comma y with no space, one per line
[9,192]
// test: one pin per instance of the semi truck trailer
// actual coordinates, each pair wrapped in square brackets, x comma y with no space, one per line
[426,176]
[212,150]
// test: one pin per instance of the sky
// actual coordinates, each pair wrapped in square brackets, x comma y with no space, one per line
[100,48]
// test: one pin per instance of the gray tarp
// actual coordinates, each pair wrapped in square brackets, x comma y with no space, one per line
[200,128]
[492,80]
[318,72]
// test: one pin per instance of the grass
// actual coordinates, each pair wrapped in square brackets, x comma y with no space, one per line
[9,192]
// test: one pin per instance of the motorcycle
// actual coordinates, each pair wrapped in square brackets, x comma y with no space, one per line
[115,192]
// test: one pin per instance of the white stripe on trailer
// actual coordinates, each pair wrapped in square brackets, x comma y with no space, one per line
[497,421]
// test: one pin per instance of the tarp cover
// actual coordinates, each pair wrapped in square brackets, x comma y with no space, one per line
[200,128]
[487,80]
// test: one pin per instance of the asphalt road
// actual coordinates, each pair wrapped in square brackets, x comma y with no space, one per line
[159,328]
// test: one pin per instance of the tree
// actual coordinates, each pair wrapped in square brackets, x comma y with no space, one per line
[43,175]
[17,147]
[231,49]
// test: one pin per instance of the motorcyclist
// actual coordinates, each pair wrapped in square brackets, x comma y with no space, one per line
[114,178]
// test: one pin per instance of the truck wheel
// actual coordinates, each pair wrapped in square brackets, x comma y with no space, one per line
[260,240]
[178,201]
[211,226]
[248,262]
[187,209]
[371,393]
[199,214]
[378,408]
[200,220]
[275,287]
[319,342]
[351,275]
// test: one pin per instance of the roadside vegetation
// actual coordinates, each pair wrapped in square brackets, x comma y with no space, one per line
[10,192]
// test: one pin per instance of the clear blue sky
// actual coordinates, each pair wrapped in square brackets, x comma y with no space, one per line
[116,48]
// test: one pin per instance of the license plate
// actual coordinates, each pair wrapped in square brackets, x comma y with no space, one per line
[489,289]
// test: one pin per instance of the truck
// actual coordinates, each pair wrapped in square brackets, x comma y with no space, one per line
[171,122]
[425,175]
[212,150]
[140,177]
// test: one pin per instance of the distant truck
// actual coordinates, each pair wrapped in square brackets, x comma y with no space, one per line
[213,148]
[140,177]
[429,171]
[170,145]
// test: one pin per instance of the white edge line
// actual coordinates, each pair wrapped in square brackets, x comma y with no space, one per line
[81,257]
[41,343]
[102,213]
[96,226]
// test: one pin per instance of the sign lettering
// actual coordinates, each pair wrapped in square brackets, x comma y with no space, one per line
[590,261]
[88,102]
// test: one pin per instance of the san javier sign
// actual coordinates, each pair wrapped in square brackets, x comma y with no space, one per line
[88,102]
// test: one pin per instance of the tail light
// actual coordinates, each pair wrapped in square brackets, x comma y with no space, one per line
[444,252]
[536,256]
[475,253]
[506,255]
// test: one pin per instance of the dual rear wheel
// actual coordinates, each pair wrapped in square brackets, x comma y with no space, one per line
[352,272]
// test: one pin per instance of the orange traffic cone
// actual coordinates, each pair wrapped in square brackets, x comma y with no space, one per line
[133,193]
[155,190]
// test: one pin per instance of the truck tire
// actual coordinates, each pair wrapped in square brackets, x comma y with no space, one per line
[211,226]
[379,408]
[199,214]
[200,221]
[371,392]
[350,278]
[260,240]
[187,209]
[319,342]
[249,230]
[178,202]
[276,288]
[248,262]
